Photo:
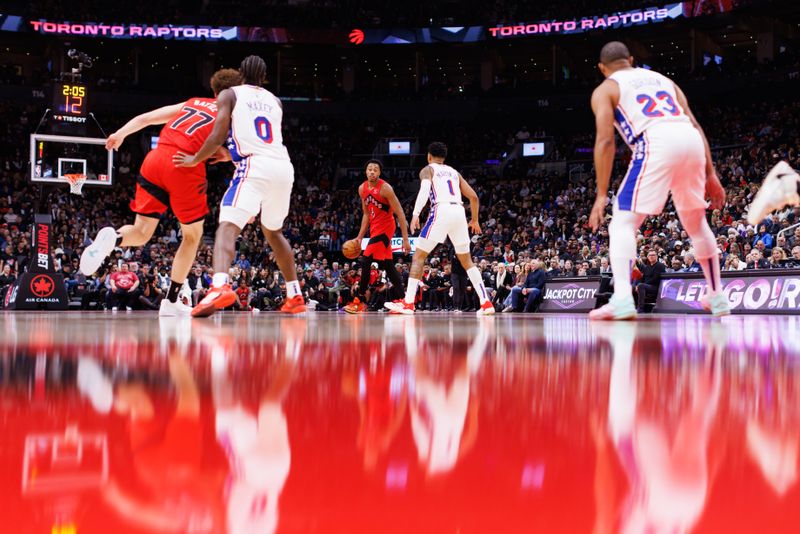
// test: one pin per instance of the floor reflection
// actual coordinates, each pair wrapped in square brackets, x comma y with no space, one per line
[402,424]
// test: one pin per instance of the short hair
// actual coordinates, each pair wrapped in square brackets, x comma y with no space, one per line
[225,79]
[253,69]
[614,51]
[376,162]
[437,149]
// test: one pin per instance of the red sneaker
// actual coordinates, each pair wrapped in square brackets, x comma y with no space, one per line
[487,308]
[356,306]
[295,305]
[400,306]
[218,298]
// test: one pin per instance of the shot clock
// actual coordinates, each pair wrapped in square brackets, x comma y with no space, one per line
[70,102]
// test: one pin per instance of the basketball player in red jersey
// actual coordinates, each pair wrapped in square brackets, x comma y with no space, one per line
[160,184]
[380,206]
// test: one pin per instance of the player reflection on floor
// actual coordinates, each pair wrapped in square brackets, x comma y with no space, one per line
[444,419]
[664,457]
[176,491]
[255,438]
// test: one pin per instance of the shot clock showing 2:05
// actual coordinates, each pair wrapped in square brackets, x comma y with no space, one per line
[70,99]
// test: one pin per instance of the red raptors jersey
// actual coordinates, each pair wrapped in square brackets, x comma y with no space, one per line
[188,130]
[381,218]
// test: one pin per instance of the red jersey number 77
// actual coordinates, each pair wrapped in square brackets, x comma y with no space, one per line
[191,120]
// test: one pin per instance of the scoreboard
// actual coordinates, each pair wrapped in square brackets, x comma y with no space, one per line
[70,102]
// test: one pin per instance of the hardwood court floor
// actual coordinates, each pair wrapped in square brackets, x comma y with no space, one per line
[433,423]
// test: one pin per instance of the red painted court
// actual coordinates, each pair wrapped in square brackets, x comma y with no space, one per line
[376,423]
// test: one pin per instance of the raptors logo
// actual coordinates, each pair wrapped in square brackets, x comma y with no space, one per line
[357,36]
[42,286]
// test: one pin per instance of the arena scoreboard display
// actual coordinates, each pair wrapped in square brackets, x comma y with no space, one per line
[70,102]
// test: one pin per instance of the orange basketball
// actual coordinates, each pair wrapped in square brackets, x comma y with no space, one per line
[351,249]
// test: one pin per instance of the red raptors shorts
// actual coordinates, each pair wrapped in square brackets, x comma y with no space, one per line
[379,247]
[161,184]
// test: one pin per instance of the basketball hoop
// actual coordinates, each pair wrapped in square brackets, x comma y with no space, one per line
[76,182]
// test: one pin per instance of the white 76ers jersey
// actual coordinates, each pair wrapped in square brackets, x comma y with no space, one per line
[256,125]
[646,99]
[446,184]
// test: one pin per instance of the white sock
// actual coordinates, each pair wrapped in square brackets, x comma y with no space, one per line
[411,290]
[219,279]
[477,282]
[292,288]
[622,249]
[621,269]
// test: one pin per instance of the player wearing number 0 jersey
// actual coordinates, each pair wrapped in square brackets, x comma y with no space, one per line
[670,154]
[249,119]
[443,186]
[160,184]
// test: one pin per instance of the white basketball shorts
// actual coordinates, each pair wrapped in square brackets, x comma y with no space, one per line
[445,220]
[667,158]
[259,185]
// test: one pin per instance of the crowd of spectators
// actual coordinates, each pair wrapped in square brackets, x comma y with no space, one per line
[534,219]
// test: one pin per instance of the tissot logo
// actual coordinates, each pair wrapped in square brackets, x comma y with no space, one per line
[357,36]
[42,286]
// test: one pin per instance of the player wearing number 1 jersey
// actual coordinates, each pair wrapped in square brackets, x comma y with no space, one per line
[443,186]
[250,119]
[160,184]
[670,154]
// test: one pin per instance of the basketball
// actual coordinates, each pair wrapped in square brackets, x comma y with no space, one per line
[351,249]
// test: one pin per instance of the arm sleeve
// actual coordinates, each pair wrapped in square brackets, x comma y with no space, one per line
[422,197]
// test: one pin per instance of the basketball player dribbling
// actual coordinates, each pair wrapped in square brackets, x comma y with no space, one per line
[380,206]
[160,184]
[443,185]
[670,153]
[250,119]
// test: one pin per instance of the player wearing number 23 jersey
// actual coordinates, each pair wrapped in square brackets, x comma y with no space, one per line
[670,154]
[667,150]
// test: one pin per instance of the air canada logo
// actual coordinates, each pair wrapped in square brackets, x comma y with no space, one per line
[357,36]
[42,286]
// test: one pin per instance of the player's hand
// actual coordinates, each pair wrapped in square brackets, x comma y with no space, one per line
[475,227]
[180,159]
[714,190]
[221,155]
[114,141]
[406,246]
[414,226]
[598,213]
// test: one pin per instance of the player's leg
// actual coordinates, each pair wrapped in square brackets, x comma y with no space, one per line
[459,235]
[781,187]
[688,193]
[394,277]
[276,194]
[359,298]
[131,235]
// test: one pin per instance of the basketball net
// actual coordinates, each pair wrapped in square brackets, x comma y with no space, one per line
[76,182]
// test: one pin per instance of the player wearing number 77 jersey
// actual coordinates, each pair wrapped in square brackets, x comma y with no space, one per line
[670,153]
[443,186]
[250,119]
[161,185]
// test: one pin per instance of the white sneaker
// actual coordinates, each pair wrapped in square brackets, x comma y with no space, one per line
[717,304]
[778,190]
[114,308]
[616,309]
[96,253]
[174,309]
[128,308]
